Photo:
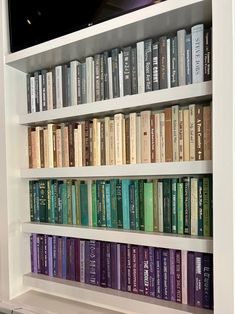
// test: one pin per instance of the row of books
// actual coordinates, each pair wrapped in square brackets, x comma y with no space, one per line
[151,64]
[169,274]
[176,133]
[169,205]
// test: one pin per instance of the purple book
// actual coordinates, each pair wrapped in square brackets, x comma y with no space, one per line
[59,257]
[68,272]
[98,262]
[146,270]
[54,254]
[108,259]
[198,279]
[152,286]
[123,266]
[92,263]
[103,267]
[135,269]
[72,259]
[77,259]
[82,260]
[166,274]
[159,270]
[41,254]
[118,266]
[141,270]
[87,261]
[35,259]
[50,256]
[31,253]
[178,276]
[191,278]
[45,254]
[129,279]
[208,281]
[114,265]
[172,275]
[64,258]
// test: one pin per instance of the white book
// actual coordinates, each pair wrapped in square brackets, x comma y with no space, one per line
[89,79]
[73,82]
[140,67]
[110,77]
[175,132]
[80,146]
[162,137]
[32,94]
[133,146]
[118,126]
[160,205]
[181,35]
[107,140]
[194,206]
[197,32]
[120,66]
[49,91]
[184,268]
[192,131]
[59,86]
[40,91]
[138,140]
[82,260]
[157,137]
[168,49]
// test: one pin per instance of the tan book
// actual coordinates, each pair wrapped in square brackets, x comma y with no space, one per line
[94,142]
[49,89]
[207,132]
[87,143]
[107,139]
[162,137]
[118,127]
[91,143]
[157,137]
[186,134]
[76,147]
[102,142]
[30,148]
[181,135]
[50,127]
[65,155]
[34,148]
[124,140]
[168,134]
[152,137]
[98,143]
[112,160]
[42,148]
[83,144]
[199,146]
[192,155]
[133,137]
[138,140]
[127,140]
[80,146]
[175,132]
[58,147]
[37,147]
[145,136]
[45,145]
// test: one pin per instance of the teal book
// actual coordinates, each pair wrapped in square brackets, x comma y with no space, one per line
[94,204]
[113,193]
[125,204]
[52,187]
[137,206]
[31,183]
[148,206]
[64,204]
[74,209]
[187,205]
[174,205]
[108,204]
[167,216]
[141,203]
[84,203]
[132,205]
[55,201]
[103,204]
[48,211]
[42,200]
[60,202]
[180,207]
[99,202]
[69,200]
[119,204]
[78,203]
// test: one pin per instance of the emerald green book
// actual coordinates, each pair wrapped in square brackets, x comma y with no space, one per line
[148,206]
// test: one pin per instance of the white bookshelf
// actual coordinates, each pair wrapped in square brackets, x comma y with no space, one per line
[16,279]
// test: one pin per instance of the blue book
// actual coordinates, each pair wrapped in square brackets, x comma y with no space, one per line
[125,204]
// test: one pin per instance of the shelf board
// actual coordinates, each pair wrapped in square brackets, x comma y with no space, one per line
[149,22]
[131,171]
[107,298]
[151,100]
[154,239]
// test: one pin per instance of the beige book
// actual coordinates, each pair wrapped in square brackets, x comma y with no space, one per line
[45,148]
[58,147]
[80,146]
[145,136]
[107,139]
[33,147]
[66,146]
[186,134]
[98,144]
[94,141]
[168,134]
[207,132]
[49,90]
[157,137]
[124,141]
[50,145]
[138,140]
[181,135]
[194,206]
[133,137]
[118,126]
[175,132]
[192,152]
[184,259]
[162,136]
[76,147]
[111,143]
[37,147]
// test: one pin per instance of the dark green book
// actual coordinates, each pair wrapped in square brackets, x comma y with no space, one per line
[207,212]
[180,207]
[78,203]
[94,204]
[174,205]
[141,203]
[148,206]
[69,201]
[49,201]
[167,205]
[64,204]
[137,205]
[42,200]
[119,204]
[187,206]
[31,183]
[84,203]
[113,194]
[132,205]
[200,207]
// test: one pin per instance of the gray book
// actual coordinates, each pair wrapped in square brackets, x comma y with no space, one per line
[188,48]
[102,76]
[83,82]
[127,70]
[163,62]
[36,77]
[148,65]
[134,82]
[115,72]
[156,65]
[44,90]
[181,34]
[97,77]
[106,76]
[174,62]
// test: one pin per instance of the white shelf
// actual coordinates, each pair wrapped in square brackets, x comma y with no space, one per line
[136,170]
[108,298]
[152,21]
[168,241]
[153,100]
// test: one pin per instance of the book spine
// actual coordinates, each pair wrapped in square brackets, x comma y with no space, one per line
[140,67]
[208,281]
[199,149]
[159,273]
[97,77]
[200,207]
[127,70]
[148,65]
[168,135]
[172,254]
[114,279]
[108,265]
[181,34]
[207,55]
[146,271]
[115,73]
[198,279]
[174,62]
[92,262]
[129,268]
[134,269]
[134,75]
[174,225]
[188,61]
[178,276]
[152,280]
[163,62]
[156,66]
[191,278]
[103,267]
[123,266]
[148,206]
[141,269]
[197,32]
[77,259]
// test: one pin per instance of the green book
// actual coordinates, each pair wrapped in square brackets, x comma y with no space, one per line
[155,206]
[55,201]
[108,204]
[64,204]
[137,205]
[141,203]
[31,196]
[84,203]
[200,207]
[174,205]
[74,211]
[148,206]
[103,204]
[119,204]
[207,215]
[187,205]
[69,200]
[52,187]
[43,200]
[113,194]
[94,204]
[180,207]
[167,205]
[78,203]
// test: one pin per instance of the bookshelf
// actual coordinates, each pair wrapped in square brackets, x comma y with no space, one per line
[162,18]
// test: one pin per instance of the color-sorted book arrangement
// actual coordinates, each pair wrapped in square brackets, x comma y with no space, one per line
[176,133]
[179,205]
[169,274]
[148,65]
